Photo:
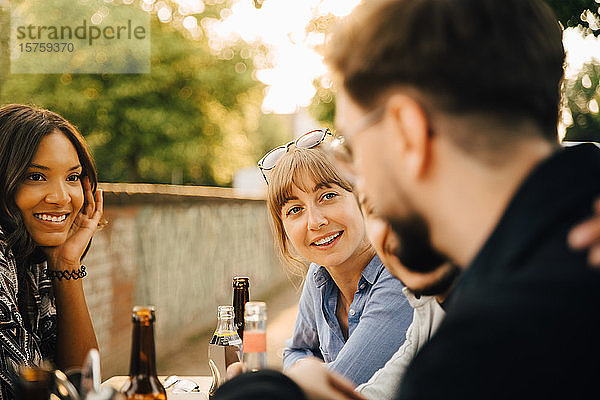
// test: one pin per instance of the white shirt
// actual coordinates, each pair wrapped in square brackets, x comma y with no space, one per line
[426,318]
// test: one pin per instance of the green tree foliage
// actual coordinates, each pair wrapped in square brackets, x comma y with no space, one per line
[581,94]
[571,13]
[322,107]
[194,119]
[577,13]
[583,98]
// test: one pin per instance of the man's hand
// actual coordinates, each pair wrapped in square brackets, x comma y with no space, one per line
[587,235]
[320,383]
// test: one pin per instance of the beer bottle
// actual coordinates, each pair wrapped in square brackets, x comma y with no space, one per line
[241,296]
[33,384]
[143,383]
[254,348]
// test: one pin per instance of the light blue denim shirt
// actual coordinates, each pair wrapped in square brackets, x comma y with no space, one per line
[377,322]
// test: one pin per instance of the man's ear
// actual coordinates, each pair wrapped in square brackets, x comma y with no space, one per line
[412,127]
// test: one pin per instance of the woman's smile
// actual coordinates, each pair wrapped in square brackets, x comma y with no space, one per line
[52,219]
[328,241]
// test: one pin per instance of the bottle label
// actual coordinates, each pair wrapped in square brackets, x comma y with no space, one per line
[255,342]
[228,339]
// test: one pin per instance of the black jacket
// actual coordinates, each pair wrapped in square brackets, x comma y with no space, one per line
[524,320]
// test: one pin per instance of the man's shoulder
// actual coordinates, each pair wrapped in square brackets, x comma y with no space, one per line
[530,240]
[504,340]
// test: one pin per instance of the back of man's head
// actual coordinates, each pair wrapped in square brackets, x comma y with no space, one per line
[499,57]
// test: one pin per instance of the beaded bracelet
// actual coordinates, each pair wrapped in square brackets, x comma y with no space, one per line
[68,275]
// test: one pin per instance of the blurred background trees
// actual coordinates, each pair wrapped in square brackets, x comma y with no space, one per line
[573,13]
[580,116]
[581,92]
[197,117]
[582,96]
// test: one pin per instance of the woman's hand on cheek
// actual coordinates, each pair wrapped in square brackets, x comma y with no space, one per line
[68,255]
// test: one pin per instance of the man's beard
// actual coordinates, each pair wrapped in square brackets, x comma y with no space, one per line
[442,285]
[416,253]
[415,250]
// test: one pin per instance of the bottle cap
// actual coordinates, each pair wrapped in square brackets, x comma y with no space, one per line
[241,281]
[146,313]
[255,310]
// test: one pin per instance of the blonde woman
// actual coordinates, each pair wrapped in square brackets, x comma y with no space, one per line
[352,314]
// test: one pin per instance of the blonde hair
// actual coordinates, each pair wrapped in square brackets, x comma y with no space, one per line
[297,167]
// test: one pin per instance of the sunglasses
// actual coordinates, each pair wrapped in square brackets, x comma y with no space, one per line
[307,141]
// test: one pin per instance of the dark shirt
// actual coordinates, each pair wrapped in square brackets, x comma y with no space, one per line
[524,320]
[263,385]
[26,336]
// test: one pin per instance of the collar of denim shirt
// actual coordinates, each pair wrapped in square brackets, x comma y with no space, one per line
[369,273]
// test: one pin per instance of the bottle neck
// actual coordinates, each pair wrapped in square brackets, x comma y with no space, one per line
[240,298]
[225,325]
[240,295]
[143,356]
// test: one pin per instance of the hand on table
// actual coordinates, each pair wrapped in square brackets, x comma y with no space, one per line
[587,236]
[68,255]
[320,383]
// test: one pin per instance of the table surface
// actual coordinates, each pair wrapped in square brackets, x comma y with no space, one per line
[204,382]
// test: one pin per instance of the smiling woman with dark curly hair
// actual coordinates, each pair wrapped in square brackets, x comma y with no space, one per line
[49,211]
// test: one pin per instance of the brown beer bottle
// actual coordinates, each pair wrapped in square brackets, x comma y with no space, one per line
[143,383]
[241,296]
[33,384]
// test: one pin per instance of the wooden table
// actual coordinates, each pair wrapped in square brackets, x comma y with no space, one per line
[204,382]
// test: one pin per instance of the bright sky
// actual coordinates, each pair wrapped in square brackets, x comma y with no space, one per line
[281,24]
[580,50]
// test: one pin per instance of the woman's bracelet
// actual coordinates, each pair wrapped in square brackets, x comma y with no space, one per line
[68,275]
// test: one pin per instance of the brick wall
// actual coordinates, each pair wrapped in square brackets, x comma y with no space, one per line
[175,247]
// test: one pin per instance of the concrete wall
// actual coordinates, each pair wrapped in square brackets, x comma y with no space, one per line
[177,248]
